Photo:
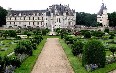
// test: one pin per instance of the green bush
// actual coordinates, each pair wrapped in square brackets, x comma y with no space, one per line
[18,37]
[24,47]
[106,30]
[83,32]
[94,53]
[77,48]
[112,49]
[97,33]
[87,34]
[112,35]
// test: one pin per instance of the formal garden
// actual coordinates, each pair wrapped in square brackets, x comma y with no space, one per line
[90,51]
[20,48]
[87,51]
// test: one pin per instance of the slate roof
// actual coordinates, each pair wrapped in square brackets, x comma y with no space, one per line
[102,8]
[27,12]
[60,10]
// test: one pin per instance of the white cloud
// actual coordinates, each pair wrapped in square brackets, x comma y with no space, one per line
[89,6]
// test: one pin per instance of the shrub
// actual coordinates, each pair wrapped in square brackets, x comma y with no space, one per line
[112,49]
[28,34]
[24,47]
[98,33]
[18,37]
[87,34]
[105,37]
[94,53]
[77,48]
[112,35]
[106,30]
[44,32]
[83,32]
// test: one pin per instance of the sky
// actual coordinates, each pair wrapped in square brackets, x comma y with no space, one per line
[88,6]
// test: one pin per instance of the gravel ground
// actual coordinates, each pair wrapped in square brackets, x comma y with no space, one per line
[113,71]
[52,59]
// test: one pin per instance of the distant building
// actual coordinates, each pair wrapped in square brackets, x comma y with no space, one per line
[56,16]
[102,16]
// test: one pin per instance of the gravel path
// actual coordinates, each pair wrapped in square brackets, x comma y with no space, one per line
[113,71]
[52,59]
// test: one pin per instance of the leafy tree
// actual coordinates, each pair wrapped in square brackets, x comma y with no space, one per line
[86,19]
[94,53]
[3,14]
[112,19]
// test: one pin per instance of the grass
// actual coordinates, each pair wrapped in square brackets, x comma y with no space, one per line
[106,69]
[8,45]
[28,64]
[74,61]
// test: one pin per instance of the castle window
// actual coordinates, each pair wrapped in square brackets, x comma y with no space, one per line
[29,23]
[46,18]
[38,23]
[10,22]
[24,18]
[33,18]
[10,18]
[33,23]
[42,18]
[59,20]
[41,23]
[14,22]
[29,18]
[15,18]
[38,18]
[46,24]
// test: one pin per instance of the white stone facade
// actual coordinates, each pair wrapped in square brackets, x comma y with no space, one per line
[56,16]
[102,16]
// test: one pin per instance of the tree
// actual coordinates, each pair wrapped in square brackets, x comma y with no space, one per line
[3,14]
[112,19]
[86,19]
[94,53]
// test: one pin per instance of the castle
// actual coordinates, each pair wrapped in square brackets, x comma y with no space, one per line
[102,16]
[56,16]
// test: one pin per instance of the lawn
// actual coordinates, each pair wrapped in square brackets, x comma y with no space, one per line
[7,48]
